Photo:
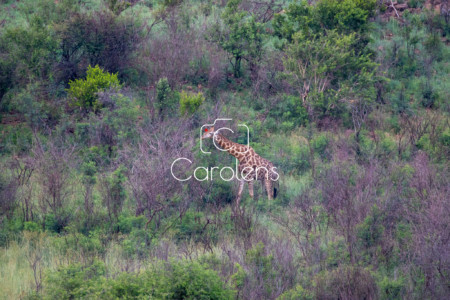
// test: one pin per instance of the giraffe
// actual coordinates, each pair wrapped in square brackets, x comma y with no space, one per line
[251,165]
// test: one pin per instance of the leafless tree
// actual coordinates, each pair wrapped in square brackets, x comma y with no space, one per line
[304,220]
[54,164]
[34,256]
[153,187]
[347,196]
[8,189]
[346,283]
[171,55]
[22,170]
[428,214]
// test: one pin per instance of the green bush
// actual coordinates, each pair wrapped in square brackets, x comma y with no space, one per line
[83,91]
[74,281]
[166,99]
[392,289]
[416,3]
[32,49]
[126,224]
[344,16]
[445,139]
[320,145]
[371,231]
[16,139]
[299,293]
[190,103]
[243,37]
[31,226]
[175,280]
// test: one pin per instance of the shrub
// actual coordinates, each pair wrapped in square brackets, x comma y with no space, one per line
[31,49]
[190,103]
[114,191]
[299,293]
[344,16]
[392,289]
[166,99]
[126,224]
[83,91]
[371,231]
[416,3]
[73,281]
[191,280]
[320,145]
[175,280]
[31,226]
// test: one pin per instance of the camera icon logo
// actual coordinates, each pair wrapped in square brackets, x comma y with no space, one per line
[217,131]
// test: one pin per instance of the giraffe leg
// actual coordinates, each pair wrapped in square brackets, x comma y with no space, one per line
[241,189]
[269,188]
[250,189]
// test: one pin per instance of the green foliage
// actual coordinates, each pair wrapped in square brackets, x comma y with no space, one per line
[166,99]
[190,225]
[6,80]
[287,111]
[32,49]
[416,3]
[89,171]
[74,281]
[189,104]
[299,293]
[320,144]
[445,139]
[317,66]
[122,119]
[191,280]
[16,139]
[117,6]
[37,113]
[238,278]
[343,16]
[31,226]
[84,91]
[116,191]
[243,37]
[371,231]
[175,280]
[262,265]
[434,46]
[127,224]
[392,289]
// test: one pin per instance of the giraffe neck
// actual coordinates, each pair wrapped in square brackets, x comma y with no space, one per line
[235,149]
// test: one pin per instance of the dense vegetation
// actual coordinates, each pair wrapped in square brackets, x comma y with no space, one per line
[348,98]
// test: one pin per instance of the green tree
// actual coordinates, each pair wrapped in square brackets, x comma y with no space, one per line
[190,103]
[114,192]
[166,99]
[243,37]
[343,16]
[84,91]
[322,67]
[32,49]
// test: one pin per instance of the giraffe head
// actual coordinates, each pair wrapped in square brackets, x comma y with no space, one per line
[208,133]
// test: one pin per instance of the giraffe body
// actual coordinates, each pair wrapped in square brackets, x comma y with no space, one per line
[252,167]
